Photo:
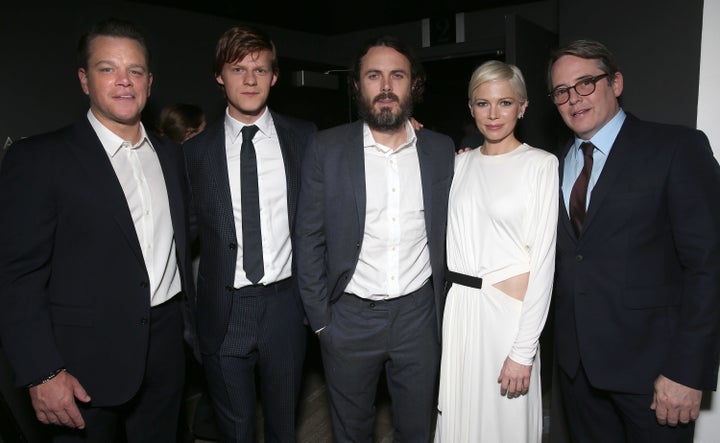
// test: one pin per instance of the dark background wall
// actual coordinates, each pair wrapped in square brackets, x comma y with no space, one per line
[657,44]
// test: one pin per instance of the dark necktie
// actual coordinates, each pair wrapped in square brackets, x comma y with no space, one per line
[250,201]
[578,195]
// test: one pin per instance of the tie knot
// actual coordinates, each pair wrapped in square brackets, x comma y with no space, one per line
[587,148]
[249,132]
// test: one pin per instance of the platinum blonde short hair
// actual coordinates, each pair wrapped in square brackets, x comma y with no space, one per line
[495,70]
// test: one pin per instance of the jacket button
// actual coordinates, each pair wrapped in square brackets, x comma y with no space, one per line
[229,288]
[579,257]
[143,321]
[232,245]
[144,284]
[357,245]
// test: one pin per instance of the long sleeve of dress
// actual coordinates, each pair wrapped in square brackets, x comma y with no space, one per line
[541,237]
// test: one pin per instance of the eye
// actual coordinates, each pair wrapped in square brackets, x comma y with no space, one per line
[398,75]
[481,104]
[586,82]
[372,76]
[261,71]
[506,103]
[137,72]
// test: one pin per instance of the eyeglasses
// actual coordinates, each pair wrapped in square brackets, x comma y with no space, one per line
[584,87]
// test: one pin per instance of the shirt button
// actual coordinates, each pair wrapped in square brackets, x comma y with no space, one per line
[579,257]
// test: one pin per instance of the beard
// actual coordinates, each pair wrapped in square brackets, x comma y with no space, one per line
[384,119]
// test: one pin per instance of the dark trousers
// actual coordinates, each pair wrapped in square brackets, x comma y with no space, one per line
[596,415]
[366,337]
[265,339]
[152,414]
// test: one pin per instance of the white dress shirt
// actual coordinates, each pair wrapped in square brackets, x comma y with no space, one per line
[394,258]
[140,175]
[272,187]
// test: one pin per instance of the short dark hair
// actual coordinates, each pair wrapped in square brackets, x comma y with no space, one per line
[239,41]
[111,27]
[587,49]
[417,72]
[178,118]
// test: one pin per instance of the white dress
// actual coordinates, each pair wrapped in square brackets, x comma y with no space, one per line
[502,222]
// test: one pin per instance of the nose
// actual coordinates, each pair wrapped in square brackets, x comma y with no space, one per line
[250,78]
[574,96]
[386,86]
[492,112]
[123,78]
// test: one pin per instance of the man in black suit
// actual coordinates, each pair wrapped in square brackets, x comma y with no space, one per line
[370,248]
[250,318]
[94,258]
[637,302]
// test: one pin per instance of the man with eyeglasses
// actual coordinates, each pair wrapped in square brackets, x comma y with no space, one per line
[637,300]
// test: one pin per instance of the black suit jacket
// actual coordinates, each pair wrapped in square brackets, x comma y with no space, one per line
[638,293]
[213,219]
[331,214]
[74,290]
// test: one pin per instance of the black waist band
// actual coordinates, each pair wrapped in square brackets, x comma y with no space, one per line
[463,279]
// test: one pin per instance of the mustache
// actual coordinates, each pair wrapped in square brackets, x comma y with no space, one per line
[385,96]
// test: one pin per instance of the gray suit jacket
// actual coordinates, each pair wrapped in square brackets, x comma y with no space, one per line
[331,214]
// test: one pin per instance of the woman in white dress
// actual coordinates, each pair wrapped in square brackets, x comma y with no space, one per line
[502,221]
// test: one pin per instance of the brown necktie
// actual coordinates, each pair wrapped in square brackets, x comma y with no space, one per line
[578,195]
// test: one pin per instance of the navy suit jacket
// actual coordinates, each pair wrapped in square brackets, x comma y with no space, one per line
[638,293]
[74,289]
[213,221]
[331,214]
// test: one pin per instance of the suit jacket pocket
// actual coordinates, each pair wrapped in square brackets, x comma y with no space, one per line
[72,316]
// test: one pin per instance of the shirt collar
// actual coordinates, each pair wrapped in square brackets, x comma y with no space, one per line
[369,140]
[110,141]
[605,137]
[264,123]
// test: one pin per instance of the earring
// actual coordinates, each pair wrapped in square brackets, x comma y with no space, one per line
[521,115]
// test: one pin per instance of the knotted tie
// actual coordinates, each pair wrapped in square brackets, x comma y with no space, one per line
[250,201]
[578,195]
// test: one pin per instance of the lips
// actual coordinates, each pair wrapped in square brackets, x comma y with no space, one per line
[579,112]
[386,97]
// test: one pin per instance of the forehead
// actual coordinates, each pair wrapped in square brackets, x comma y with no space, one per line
[495,88]
[117,48]
[257,58]
[383,58]
[569,68]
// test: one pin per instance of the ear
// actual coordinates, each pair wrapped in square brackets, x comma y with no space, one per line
[522,109]
[219,80]
[617,84]
[82,75]
[150,80]
[470,106]
[274,79]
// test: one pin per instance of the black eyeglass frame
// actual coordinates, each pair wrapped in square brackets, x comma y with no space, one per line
[566,90]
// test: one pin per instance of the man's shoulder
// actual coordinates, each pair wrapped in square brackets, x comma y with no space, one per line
[658,129]
[286,121]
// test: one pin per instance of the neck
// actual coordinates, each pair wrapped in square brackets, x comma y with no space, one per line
[503,147]
[392,138]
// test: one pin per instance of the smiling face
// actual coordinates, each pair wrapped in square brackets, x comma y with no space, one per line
[384,99]
[247,84]
[496,109]
[118,81]
[585,116]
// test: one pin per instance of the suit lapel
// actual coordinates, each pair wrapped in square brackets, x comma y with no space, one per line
[426,177]
[355,166]
[616,162]
[218,169]
[88,150]
[291,163]
[172,177]
[564,218]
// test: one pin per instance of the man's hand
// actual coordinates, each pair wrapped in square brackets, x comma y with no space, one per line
[674,403]
[463,150]
[54,401]
[514,378]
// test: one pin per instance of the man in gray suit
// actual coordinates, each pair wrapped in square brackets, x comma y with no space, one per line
[370,248]
[249,315]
